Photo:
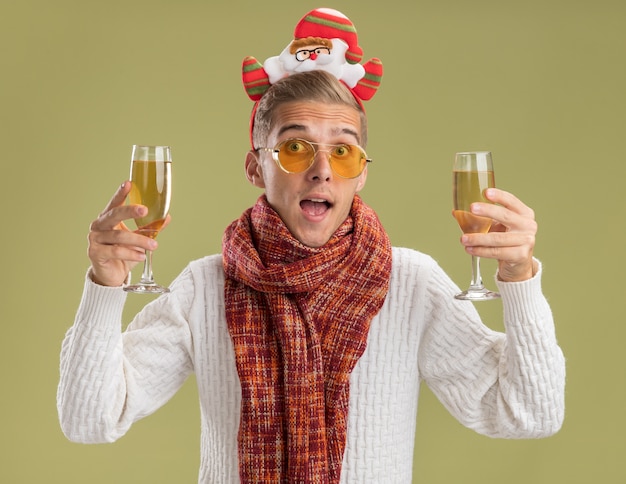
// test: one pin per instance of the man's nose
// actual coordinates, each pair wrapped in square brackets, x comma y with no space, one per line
[321,169]
[313,55]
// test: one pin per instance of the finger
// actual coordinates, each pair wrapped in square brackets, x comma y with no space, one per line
[509,247]
[514,263]
[510,201]
[499,240]
[121,238]
[510,257]
[115,211]
[116,200]
[103,254]
[511,219]
[114,218]
[119,196]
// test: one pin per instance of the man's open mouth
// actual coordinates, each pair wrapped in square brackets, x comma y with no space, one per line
[315,206]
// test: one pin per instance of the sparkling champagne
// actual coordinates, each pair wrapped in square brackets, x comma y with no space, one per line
[469,187]
[151,186]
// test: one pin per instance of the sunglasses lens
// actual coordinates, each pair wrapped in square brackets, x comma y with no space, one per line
[348,161]
[295,155]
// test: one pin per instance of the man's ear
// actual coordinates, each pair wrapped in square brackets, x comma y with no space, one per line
[362,180]
[254,171]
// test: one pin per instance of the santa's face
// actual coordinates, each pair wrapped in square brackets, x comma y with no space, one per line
[316,57]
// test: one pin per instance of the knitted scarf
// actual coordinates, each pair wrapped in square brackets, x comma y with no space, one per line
[298,318]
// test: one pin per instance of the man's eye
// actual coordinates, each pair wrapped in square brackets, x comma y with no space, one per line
[295,146]
[342,150]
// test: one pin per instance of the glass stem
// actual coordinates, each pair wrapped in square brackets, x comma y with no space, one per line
[146,277]
[477,280]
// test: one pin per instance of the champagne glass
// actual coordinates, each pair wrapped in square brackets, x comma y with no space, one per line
[473,173]
[151,179]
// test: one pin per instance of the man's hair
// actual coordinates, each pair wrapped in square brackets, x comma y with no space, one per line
[313,86]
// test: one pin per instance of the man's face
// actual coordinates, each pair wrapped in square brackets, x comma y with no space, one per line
[312,204]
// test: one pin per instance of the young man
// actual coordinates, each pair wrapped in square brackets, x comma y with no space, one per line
[310,335]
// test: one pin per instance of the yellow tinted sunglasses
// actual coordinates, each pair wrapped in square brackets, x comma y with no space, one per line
[295,155]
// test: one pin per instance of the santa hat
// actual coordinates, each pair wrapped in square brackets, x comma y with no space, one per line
[330,24]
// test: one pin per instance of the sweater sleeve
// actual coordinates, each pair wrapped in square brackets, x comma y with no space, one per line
[507,385]
[108,378]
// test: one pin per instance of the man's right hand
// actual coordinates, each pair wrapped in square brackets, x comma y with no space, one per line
[114,249]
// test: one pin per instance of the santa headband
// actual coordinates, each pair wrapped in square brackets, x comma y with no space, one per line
[324,39]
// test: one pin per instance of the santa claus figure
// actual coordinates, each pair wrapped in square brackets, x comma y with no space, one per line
[324,39]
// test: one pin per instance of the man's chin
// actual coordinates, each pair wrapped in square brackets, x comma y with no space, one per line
[312,239]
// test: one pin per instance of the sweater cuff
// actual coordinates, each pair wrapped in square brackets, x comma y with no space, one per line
[524,298]
[101,303]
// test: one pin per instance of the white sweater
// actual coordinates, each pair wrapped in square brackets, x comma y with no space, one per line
[502,385]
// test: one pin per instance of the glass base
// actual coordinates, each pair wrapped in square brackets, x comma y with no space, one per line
[477,295]
[146,289]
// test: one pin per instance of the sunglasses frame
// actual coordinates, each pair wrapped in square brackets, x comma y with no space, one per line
[276,152]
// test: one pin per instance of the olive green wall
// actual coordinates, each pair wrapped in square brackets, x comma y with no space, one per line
[539,82]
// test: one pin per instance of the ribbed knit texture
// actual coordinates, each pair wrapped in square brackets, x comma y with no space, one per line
[503,386]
